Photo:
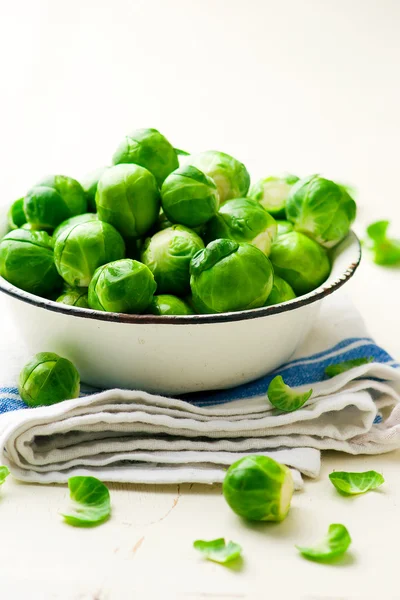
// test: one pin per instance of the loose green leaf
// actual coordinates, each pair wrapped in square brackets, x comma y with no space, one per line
[356,483]
[218,550]
[284,398]
[334,544]
[339,368]
[90,502]
[4,473]
[385,251]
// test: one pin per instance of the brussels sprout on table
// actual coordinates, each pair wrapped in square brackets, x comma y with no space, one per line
[128,198]
[75,297]
[125,286]
[81,249]
[281,292]
[166,304]
[149,149]
[227,276]
[300,261]
[16,214]
[189,197]
[284,227]
[47,379]
[272,193]
[27,261]
[84,218]
[229,175]
[168,254]
[89,184]
[243,220]
[321,209]
[53,200]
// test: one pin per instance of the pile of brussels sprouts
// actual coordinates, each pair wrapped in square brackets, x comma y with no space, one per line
[168,233]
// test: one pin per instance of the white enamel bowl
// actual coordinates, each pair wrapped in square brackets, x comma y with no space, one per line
[175,355]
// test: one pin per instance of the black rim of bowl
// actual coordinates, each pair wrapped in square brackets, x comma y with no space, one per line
[318,294]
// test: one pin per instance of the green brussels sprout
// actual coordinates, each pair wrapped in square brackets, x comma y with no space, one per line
[272,193]
[81,249]
[227,276]
[321,209]
[149,149]
[281,292]
[89,184]
[75,297]
[165,304]
[229,175]
[16,214]
[243,220]
[72,222]
[27,261]
[258,488]
[47,379]
[168,254]
[53,200]
[300,261]
[284,227]
[128,198]
[189,197]
[123,286]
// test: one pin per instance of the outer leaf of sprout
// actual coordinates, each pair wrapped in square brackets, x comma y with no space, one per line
[218,550]
[342,367]
[284,398]
[334,544]
[356,483]
[90,502]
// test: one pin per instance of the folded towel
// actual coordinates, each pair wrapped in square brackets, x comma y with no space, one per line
[133,436]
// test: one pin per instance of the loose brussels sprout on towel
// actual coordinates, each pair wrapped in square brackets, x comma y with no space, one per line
[125,286]
[227,276]
[168,254]
[47,379]
[73,221]
[189,197]
[81,249]
[165,304]
[272,193]
[258,488]
[300,261]
[281,292]
[16,215]
[89,184]
[149,149]
[75,297]
[229,175]
[321,209]
[243,220]
[27,261]
[128,198]
[53,200]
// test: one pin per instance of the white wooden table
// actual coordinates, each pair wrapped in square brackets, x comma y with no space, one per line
[302,86]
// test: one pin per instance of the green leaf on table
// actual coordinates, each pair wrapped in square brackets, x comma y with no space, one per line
[218,550]
[335,543]
[284,398]
[356,483]
[4,473]
[90,502]
[342,367]
[385,251]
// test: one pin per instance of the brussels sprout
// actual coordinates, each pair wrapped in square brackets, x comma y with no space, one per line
[284,227]
[258,488]
[89,184]
[281,292]
[81,249]
[168,254]
[300,261]
[149,149]
[321,209]
[229,175]
[47,379]
[227,276]
[27,261]
[243,220]
[75,297]
[189,197]
[16,214]
[128,198]
[125,286]
[53,200]
[272,193]
[73,221]
[165,304]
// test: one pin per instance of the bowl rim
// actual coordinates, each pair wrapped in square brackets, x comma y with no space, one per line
[319,293]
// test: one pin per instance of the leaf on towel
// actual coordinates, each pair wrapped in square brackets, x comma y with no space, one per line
[284,398]
[342,367]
